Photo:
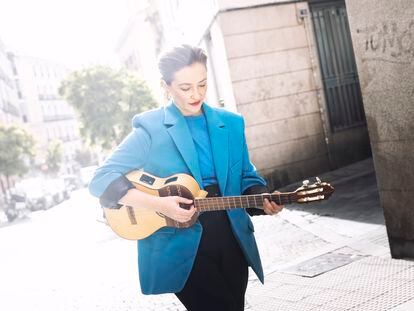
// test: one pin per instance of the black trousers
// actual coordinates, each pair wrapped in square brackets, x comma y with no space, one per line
[218,279]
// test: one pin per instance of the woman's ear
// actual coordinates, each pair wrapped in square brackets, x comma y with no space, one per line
[163,84]
[165,87]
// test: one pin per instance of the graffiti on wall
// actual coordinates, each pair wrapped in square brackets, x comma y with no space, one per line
[389,41]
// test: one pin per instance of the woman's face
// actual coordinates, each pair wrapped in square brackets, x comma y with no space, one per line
[188,88]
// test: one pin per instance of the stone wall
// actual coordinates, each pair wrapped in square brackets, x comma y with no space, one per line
[276,90]
[383,38]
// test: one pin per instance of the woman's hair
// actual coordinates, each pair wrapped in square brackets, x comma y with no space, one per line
[177,58]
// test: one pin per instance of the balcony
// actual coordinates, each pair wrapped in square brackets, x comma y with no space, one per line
[11,109]
[58,117]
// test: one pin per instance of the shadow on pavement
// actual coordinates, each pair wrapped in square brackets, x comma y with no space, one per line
[355,198]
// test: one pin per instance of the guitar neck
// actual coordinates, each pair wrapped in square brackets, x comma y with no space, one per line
[245,201]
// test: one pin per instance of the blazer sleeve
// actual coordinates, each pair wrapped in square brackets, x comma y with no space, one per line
[252,182]
[109,183]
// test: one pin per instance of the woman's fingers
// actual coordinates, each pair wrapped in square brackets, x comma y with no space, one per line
[183,200]
[188,213]
[170,207]
[183,214]
[271,208]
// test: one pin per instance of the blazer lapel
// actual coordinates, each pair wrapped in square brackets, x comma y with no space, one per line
[219,144]
[179,132]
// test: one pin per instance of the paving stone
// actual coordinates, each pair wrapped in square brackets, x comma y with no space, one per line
[280,305]
[325,296]
[388,300]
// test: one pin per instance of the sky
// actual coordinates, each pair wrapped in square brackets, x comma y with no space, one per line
[72,32]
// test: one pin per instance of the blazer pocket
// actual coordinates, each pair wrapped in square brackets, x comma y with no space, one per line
[161,238]
[166,230]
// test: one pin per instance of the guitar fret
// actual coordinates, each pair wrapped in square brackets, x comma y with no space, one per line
[247,201]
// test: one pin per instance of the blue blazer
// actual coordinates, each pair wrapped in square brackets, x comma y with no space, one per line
[161,144]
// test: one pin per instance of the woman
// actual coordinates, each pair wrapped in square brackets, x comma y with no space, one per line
[206,265]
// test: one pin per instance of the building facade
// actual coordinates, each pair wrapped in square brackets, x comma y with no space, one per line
[47,116]
[288,67]
[10,112]
[141,42]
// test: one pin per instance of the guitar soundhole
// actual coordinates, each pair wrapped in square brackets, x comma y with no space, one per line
[170,180]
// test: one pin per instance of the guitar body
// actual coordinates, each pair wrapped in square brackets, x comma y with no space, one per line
[136,223]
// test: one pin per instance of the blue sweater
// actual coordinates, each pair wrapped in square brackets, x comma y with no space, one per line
[201,138]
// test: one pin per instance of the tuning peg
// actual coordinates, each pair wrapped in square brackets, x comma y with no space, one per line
[318,181]
[305,183]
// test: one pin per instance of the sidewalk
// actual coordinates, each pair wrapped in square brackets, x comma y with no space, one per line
[332,255]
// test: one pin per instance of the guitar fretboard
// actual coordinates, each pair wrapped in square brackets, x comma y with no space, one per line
[245,201]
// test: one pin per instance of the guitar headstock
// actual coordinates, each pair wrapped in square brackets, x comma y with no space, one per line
[315,192]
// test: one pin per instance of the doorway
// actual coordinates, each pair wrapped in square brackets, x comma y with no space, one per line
[349,136]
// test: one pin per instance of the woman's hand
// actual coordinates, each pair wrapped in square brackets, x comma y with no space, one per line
[169,206]
[271,208]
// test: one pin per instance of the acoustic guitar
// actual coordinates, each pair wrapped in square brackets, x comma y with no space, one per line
[135,223]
